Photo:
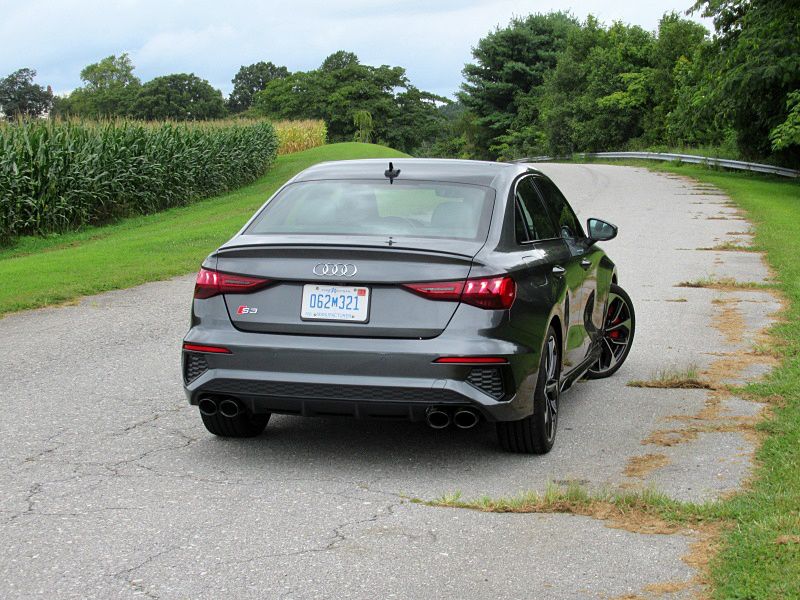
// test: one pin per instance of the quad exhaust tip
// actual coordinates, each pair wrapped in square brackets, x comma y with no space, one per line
[436,418]
[207,406]
[227,407]
[465,419]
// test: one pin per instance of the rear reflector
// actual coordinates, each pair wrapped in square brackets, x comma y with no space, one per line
[488,292]
[203,348]
[471,360]
[212,283]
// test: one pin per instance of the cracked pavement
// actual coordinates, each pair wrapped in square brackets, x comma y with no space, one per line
[111,487]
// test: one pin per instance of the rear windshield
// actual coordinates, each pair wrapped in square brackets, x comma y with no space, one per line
[404,208]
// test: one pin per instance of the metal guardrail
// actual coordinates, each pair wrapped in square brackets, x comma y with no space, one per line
[687,158]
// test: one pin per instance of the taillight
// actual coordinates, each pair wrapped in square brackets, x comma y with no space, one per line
[443,290]
[211,283]
[204,348]
[471,360]
[489,292]
[495,293]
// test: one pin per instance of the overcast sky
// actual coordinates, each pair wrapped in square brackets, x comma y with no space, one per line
[431,39]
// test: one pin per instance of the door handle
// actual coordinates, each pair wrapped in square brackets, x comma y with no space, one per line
[586,263]
[559,271]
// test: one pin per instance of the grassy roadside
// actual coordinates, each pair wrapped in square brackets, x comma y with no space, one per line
[760,555]
[40,271]
[759,548]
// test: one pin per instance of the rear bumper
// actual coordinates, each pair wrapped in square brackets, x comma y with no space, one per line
[358,377]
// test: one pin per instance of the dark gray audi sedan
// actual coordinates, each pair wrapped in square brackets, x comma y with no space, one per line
[444,291]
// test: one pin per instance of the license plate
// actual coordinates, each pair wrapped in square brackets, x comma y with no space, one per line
[335,303]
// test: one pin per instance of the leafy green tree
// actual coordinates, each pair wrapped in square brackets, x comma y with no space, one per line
[109,89]
[19,96]
[339,60]
[678,40]
[600,90]
[363,122]
[182,97]
[787,134]
[342,88]
[756,68]
[251,79]
[509,68]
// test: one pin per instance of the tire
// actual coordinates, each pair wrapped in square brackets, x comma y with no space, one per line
[536,434]
[244,425]
[617,336]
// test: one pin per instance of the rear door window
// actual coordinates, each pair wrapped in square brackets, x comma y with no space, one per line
[533,222]
[404,208]
[568,224]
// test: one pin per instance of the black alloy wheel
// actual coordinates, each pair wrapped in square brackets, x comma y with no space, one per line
[617,334]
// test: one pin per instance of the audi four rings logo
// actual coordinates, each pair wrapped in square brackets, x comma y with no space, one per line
[335,270]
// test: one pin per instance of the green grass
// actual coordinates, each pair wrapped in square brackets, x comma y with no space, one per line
[760,554]
[38,271]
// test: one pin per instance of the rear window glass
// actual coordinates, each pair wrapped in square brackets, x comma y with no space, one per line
[404,208]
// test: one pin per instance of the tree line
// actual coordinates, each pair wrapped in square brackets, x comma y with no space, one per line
[544,84]
[548,84]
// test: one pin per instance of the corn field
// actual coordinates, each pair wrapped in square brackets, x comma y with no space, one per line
[57,176]
[295,136]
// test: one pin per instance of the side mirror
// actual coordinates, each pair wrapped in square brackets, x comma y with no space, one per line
[600,231]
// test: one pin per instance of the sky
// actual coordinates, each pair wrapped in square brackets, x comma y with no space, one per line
[212,39]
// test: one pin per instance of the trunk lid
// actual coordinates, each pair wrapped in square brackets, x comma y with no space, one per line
[393,311]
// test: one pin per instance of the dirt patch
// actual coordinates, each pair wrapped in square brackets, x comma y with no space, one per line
[662,589]
[641,466]
[725,284]
[728,247]
[730,321]
[672,383]
[673,437]
[787,540]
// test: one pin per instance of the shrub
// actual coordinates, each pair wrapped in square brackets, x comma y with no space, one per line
[60,175]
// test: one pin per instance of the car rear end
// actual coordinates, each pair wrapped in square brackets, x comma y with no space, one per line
[360,297]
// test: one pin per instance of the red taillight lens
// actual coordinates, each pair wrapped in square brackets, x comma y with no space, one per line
[210,283]
[440,290]
[204,348]
[490,293]
[494,293]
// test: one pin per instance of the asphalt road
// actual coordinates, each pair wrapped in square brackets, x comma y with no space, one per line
[111,487]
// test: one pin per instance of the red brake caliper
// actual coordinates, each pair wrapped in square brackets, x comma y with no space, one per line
[614,335]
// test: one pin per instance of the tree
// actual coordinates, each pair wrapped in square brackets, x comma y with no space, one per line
[787,134]
[679,40]
[363,122]
[181,96]
[251,79]
[339,60]
[19,96]
[109,89]
[757,67]
[341,89]
[600,90]
[510,64]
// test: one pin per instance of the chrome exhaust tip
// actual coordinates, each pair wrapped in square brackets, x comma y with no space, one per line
[207,406]
[466,419]
[436,418]
[229,408]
